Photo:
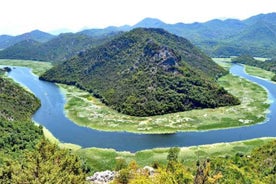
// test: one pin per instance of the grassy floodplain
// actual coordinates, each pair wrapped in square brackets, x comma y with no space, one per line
[88,111]
[251,70]
[102,159]
[99,159]
[37,67]
[259,72]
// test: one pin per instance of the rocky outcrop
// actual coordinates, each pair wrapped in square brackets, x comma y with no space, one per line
[149,169]
[103,177]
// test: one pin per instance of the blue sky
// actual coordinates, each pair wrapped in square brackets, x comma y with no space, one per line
[19,16]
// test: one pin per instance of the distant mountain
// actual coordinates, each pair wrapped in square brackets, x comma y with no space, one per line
[104,32]
[223,38]
[149,23]
[268,18]
[146,72]
[57,49]
[4,38]
[27,49]
[218,38]
[258,39]
[35,35]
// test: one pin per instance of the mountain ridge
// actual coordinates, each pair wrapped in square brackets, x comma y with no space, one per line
[35,35]
[58,49]
[217,38]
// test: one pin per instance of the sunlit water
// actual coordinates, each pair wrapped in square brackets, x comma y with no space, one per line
[51,115]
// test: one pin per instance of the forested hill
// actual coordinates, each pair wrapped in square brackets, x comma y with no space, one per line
[25,155]
[58,49]
[146,72]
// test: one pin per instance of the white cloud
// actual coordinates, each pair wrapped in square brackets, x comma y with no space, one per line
[18,16]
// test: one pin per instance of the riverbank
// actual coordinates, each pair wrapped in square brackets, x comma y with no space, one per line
[37,67]
[251,70]
[105,159]
[86,110]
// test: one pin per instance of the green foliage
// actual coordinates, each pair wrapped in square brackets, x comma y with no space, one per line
[57,49]
[224,38]
[146,72]
[257,167]
[269,65]
[25,156]
[274,78]
[173,154]
[45,164]
[36,35]
[124,176]
[16,103]
[120,164]
[37,67]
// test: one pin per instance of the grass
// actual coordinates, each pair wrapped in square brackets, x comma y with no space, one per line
[103,159]
[259,72]
[88,111]
[251,70]
[37,67]
[83,106]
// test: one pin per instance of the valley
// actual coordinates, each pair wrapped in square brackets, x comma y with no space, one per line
[126,98]
[102,159]
[109,120]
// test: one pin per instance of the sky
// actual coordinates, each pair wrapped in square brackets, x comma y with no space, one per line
[20,16]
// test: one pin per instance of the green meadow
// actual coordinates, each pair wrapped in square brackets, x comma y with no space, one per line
[86,110]
[37,67]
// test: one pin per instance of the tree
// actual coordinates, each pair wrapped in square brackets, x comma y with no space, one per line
[46,164]
[203,174]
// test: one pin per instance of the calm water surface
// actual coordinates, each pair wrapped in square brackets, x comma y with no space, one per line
[51,115]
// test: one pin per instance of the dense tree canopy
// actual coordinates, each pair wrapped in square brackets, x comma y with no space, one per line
[25,156]
[146,72]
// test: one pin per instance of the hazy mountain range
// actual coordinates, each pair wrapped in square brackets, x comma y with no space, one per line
[254,36]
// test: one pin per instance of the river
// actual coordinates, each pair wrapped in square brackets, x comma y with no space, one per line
[51,115]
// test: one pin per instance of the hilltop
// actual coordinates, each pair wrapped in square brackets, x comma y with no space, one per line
[146,72]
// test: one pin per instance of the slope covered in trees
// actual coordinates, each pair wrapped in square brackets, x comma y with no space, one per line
[254,36]
[255,167]
[25,156]
[146,72]
[36,35]
[57,49]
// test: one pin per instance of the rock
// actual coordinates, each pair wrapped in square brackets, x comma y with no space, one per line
[103,177]
[149,169]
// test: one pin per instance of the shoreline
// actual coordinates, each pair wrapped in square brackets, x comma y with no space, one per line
[84,100]
[140,125]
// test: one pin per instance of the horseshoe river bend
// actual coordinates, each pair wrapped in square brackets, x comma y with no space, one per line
[51,115]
